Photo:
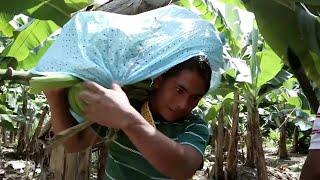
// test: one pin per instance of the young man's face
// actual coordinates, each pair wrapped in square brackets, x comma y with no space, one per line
[176,96]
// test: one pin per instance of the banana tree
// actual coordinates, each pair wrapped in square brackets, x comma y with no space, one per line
[294,25]
[287,103]
[263,66]
[217,108]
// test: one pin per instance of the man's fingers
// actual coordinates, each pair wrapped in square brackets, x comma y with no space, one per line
[94,87]
[116,87]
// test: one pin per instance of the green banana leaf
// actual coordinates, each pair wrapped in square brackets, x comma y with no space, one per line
[270,65]
[236,3]
[254,63]
[5,28]
[28,39]
[184,3]
[284,28]
[7,125]
[58,11]
[32,60]
[205,8]
[4,110]
[233,21]
[210,13]
[307,2]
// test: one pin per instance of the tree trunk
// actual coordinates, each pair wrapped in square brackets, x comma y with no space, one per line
[295,138]
[3,136]
[219,174]
[282,149]
[71,166]
[233,142]
[257,144]
[21,142]
[249,141]
[26,138]
[214,133]
[77,165]
[103,153]
[12,138]
[22,128]
[45,110]
[84,164]
[57,160]
[226,139]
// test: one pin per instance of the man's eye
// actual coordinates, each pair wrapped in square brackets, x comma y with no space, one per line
[196,98]
[179,90]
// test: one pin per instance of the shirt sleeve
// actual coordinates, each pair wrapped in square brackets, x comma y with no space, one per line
[315,134]
[196,135]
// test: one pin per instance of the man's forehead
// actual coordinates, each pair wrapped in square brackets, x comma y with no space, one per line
[190,83]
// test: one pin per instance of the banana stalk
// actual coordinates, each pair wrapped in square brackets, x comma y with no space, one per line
[66,134]
[43,83]
[138,91]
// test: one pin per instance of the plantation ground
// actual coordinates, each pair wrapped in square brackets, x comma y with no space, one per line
[13,167]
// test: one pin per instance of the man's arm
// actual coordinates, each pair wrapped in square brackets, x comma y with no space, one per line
[169,157]
[61,120]
[311,167]
[111,108]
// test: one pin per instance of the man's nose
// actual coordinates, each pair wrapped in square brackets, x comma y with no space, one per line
[182,104]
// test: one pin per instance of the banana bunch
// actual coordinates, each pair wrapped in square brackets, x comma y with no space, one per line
[75,103]
[139,91]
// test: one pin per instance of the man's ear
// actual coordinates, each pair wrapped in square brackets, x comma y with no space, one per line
[157,81]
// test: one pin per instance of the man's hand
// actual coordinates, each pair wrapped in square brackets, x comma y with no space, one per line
[108,107]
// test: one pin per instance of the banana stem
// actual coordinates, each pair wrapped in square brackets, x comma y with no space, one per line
[10,74]
[66,134]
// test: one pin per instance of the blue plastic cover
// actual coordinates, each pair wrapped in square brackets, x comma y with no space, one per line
[105,47]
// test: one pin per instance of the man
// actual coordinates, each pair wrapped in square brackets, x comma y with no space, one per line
[173,148]
[311,170]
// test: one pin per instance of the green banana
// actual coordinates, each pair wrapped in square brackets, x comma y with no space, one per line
[75,103]
[42,83]
[139,91]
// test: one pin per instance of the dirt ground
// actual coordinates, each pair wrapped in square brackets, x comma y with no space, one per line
[12,167]
[284,169]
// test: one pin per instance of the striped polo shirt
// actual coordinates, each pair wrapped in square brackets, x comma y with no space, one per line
[126,162]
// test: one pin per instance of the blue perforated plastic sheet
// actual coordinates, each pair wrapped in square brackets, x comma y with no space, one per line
[105,47]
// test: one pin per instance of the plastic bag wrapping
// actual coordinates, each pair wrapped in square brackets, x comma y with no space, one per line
[106,47]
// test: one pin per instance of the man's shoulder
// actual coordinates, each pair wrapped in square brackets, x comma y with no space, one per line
[195,118]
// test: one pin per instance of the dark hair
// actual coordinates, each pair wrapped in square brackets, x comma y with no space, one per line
[198,64]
